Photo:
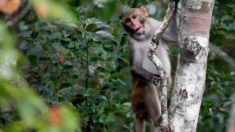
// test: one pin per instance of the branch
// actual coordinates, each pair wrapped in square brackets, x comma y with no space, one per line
[153,57]
[231,126]
[223,55]
[18,17]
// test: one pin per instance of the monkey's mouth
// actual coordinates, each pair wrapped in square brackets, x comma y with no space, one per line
[139,31]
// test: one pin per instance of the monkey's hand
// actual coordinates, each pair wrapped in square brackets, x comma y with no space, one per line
[155,79]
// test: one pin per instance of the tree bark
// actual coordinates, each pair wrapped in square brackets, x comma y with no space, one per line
[164,125]
[231,124]
[189,84]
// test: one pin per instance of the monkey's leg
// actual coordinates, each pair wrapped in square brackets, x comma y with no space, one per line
[153,104]
[139,125]
[154,128]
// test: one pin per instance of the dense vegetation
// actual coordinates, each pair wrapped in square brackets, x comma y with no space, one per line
[64,66]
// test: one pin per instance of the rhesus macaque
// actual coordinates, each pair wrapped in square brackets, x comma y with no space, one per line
[145,100]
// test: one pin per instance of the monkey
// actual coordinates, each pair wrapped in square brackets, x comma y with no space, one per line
[145,101]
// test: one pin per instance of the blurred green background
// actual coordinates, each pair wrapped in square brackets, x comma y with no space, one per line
[64,66]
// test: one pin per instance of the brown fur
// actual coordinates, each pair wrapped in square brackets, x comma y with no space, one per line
[145,101]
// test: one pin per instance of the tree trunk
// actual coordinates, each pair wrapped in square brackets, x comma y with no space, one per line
[189,84]
[231,124]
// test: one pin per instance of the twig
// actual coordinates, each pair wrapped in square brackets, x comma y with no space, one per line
[18,17]
[223,55]
[153,57]
[230,125]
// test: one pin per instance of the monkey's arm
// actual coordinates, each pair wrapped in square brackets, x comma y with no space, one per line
[145,75]
[170,34]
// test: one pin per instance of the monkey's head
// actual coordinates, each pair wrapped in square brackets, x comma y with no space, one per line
[133,20]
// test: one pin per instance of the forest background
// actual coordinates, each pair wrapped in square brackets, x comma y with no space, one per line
[64,65]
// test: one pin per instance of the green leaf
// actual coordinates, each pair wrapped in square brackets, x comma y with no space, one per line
[95,37]
[92,97]
[88,92]
[119,80]
[92,21]
[116,94]
[25,34]
[102,97]
[79,99]
[124,2]
[58,47]
[111,64]
[64,41]
[95,118]
[75,13]
[55,36]
[49,28]
[24,67]
[65,91]
[213,30]
[25,45]
[110,125]
[102,103]
[114,76]
[34,34]
[228,103]
[45,90]
[103,118]
[65,85]
[70,23]
[116,102]
[232,6]
[80,9]
[214,21]
[33,59]
[38,23]
[129,114]
[44,34]
[66,31]
[96,50]
[45,48]
[225,26]
[213,112]
[226,18]
[53,99]
[231,26]
[80,54]
[225,33]
[127,104]
[105,34]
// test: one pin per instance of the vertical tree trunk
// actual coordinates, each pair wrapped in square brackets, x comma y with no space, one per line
[231,124]
[189,84]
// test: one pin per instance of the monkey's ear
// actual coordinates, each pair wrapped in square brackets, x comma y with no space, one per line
[145,11]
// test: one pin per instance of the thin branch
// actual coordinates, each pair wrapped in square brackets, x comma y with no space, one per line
[153,57]
[231,126]
[18,17]
[223,55]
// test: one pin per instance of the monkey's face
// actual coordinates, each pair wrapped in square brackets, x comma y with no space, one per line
[134,24]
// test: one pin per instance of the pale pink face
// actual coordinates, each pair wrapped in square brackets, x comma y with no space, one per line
[134,23]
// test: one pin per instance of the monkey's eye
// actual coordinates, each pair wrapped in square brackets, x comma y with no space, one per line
[134,16]
[127,20]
